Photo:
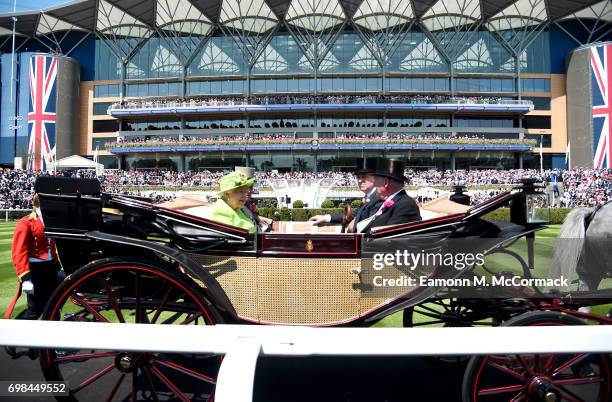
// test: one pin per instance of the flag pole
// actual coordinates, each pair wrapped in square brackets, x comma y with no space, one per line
[541,158]
[14,121]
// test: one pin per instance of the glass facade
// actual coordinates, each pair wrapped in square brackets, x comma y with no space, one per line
[101,108]
[536,84]
[494,85]
[471,63]
[473,53]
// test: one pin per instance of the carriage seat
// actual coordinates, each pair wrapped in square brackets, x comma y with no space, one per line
[431,211]
[184,203]
[441,207]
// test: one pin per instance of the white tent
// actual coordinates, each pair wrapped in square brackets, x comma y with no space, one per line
[75,162]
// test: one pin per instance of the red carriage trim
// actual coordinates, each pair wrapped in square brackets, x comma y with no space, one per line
[301,238]
[418,224]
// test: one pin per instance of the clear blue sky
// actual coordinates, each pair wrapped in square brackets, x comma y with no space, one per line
[6,6]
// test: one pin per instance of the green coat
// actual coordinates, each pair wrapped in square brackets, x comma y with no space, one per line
[223,213]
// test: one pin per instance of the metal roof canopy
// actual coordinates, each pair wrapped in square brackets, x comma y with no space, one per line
[140,18]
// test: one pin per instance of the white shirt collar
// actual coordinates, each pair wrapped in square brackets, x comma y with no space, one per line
[39,215]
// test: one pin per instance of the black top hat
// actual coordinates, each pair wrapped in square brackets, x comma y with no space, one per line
[392,168]
[365,165]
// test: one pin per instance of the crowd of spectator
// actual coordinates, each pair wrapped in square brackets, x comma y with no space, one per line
[568,188]
[291,139]
[292,100]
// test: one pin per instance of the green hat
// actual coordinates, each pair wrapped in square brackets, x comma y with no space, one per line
[234,180]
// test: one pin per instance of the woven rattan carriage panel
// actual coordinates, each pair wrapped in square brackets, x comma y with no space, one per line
[298,290]
[373,296]
[307,291]
[238,278]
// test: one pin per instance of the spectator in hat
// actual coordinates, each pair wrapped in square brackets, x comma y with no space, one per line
[397,207]
[235,191]
[249,208]
[371,202]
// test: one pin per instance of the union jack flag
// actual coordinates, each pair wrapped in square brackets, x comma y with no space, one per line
[42,116]
[601,63]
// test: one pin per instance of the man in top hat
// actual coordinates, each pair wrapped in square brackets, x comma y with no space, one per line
[371,202]
[396,207]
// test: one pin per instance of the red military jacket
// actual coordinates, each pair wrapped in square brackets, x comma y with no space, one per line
[29,241]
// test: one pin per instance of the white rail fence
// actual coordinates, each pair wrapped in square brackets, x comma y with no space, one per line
[242,345]
[12,214]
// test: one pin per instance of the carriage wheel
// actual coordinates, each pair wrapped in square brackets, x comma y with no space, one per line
[450,312]
[117,290]
[539,377]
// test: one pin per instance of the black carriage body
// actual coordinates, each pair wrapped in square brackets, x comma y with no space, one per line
[264,278]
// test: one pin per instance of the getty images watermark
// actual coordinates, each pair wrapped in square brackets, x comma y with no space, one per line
[471,268]
[457,261]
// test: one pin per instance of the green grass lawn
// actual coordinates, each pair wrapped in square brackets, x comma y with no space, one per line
[8,279]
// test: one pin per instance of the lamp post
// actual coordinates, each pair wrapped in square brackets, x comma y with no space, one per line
[541,158]
[14,19]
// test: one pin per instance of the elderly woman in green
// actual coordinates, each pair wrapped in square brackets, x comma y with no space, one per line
[235,191]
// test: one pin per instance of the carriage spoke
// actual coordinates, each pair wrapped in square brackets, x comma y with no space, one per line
[508,371]
[574,360]
[426,314]
[518,398]
[418,324]
[83,356]
[89,308]
[191,318]
[578,381]
[428,309]
[134,386]
[147,374]
[172,318]
[169,384]
[138,306]
[502,390]
[161,305]
[94,377]
[182,369]
[441,303]
[524,365]
[111,298]
[549,364]
[115,388]
[569,396]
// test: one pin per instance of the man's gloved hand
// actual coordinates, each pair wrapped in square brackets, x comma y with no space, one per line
[26,284]
[27,287]
[61,274]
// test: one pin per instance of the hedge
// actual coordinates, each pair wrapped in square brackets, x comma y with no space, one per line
[557,215]
[297,215]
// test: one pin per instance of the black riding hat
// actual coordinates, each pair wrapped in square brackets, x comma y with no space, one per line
[365,165]
[392,168]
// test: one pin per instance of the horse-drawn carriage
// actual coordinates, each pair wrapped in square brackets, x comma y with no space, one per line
[130,261]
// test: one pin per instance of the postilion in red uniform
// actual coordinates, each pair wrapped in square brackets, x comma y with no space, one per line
[29,242]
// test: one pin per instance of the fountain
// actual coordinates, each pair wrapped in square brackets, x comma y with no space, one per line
[311,191]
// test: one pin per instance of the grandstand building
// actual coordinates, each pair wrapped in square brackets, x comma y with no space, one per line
[293,85]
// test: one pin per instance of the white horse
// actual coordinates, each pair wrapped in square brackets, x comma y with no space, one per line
[584,247]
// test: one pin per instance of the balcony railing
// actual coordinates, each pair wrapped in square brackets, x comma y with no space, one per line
[320,100]
[251,141]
